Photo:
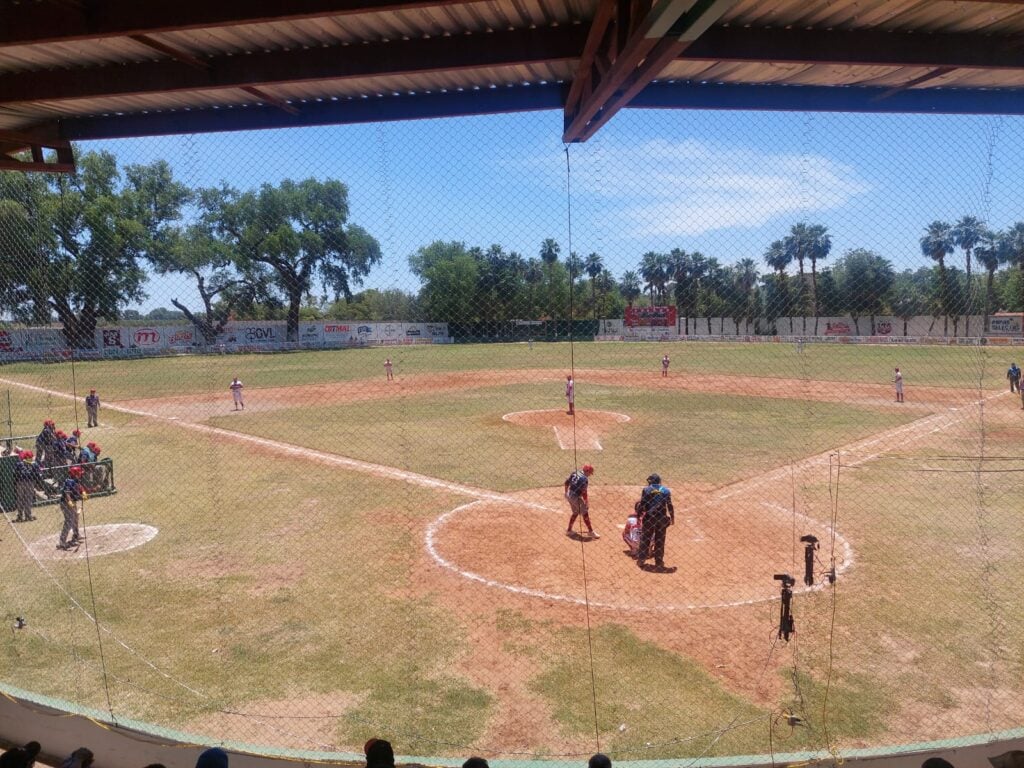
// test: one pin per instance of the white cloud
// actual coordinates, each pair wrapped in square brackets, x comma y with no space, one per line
[664,188]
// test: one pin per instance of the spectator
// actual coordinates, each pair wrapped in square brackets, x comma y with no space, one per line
[599,761]
[213,758]
[475,762]
[20,757]
[80,758]
[379,754]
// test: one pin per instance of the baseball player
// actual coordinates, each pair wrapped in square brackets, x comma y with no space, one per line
[388,369]
[26,475]
[92,408]
[897,381]
[1013,374]
[664,366]
[575,487]
[46,443]
[236,393]
[658,514]
[70,495]
[570,394]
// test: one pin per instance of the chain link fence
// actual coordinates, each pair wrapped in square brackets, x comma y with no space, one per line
[350,379]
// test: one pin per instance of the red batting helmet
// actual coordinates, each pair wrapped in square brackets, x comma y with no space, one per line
[588,469]
[75,471]
[77,433]
[49,423]
[61,434]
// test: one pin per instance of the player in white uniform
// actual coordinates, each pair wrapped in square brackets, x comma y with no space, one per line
[570,394]
[236,393]
[388,369]
[897,380]
[664,365]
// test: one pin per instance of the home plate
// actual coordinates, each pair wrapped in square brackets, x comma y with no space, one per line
[100,540]
[583,438]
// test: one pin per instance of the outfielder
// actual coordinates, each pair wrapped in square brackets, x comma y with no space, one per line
[664,365]
[576,494]
[897,381]
[236,393]
[388,366]
[658,514]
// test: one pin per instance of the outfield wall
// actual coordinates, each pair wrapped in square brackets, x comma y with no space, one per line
[922,326]
[241,336]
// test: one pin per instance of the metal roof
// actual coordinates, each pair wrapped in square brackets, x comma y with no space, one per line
[80,69]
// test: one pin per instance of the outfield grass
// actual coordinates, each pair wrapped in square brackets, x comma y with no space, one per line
[274,579]
[963,367]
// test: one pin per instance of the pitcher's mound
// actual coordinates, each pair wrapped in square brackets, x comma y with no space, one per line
[585,430]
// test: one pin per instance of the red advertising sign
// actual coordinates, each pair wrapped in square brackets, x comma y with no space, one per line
[650,316]
[837,329]
[146,337]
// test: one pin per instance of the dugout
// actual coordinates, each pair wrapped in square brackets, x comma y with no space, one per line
[98,479]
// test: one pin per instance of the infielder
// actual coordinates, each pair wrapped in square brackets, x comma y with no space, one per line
[92,408]
[236,393]
[570,394]
[658,514]
[575,487]
[897,381]
[664,365]
[387,369]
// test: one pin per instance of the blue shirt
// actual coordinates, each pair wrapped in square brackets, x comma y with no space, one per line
[655,499]
[72,491]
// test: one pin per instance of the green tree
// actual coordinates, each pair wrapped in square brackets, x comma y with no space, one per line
[968,233]
[991,251]
[90,233]
[630,287]
[651,266]
[864,281]
[1013,248]
[777,294]
[907,299]
[294,233]
[594,266]
[936,244]
[449,273]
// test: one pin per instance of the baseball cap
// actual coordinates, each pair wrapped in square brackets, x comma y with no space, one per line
[75,471]
[588,469]
[654,478]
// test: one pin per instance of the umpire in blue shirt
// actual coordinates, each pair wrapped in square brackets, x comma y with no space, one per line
[658,514]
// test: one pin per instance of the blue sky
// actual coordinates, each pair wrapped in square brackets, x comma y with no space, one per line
[724,183]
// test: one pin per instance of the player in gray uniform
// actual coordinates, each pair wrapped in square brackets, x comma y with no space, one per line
[26,475]
[92,408]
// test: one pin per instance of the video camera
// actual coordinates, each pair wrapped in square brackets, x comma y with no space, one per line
[785,578]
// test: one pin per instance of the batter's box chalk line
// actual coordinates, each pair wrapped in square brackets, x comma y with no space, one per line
[437,524]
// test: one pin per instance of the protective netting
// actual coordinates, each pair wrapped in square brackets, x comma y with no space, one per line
[802,323]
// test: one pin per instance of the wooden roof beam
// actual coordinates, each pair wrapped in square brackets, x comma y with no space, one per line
[495,49]
[32,23]
[666,31]
[13,145]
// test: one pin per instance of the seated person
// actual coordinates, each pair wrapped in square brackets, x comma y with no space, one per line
[631,533]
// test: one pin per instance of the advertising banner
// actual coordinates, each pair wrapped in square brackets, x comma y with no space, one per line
[650,316]
[1005,325]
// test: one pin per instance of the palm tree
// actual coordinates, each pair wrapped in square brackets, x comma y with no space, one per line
[991,252]
[1014,253]
[819,245]
[594,266]
[549,251]
[629,286]
[664,274]
[649,270]
[744,282]
[534,276]
[967,233]
[936,244]
[778,257]
[798,244]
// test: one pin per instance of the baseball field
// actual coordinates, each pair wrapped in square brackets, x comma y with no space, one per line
[349,556]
